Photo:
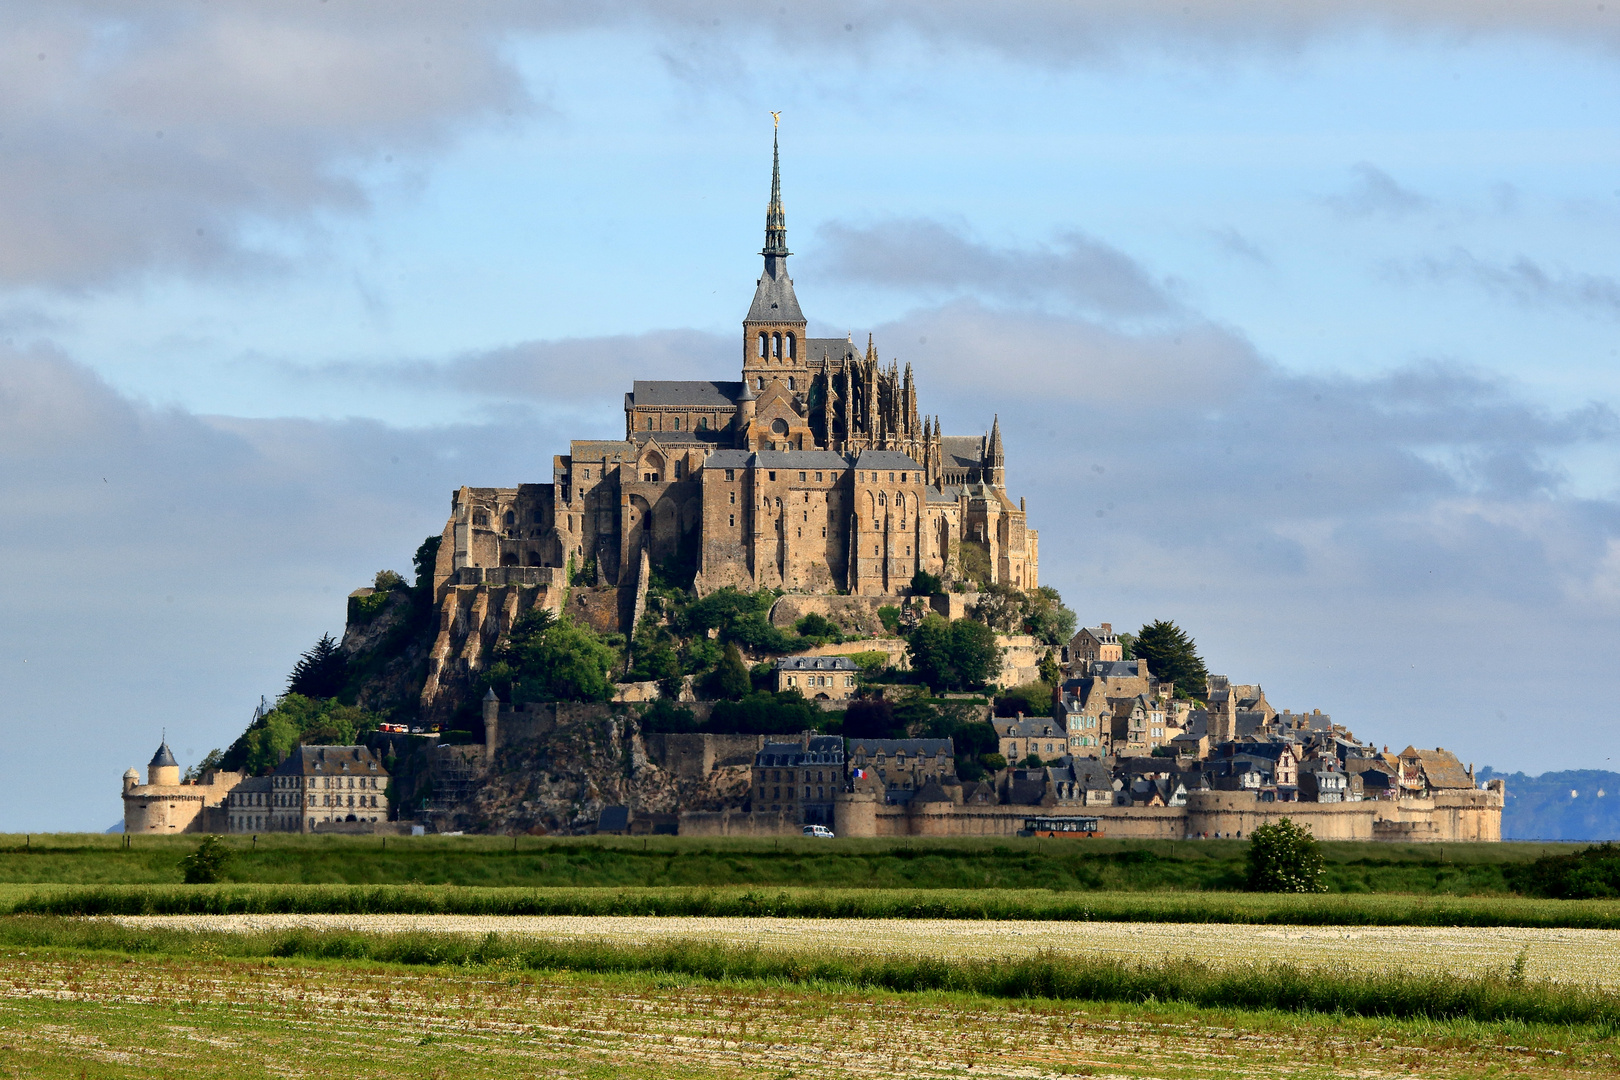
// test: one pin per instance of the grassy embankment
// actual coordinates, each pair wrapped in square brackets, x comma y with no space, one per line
[957,863]
[731,901]
[1500,996]
[77,1011]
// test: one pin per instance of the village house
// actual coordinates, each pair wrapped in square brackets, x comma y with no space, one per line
[820,678]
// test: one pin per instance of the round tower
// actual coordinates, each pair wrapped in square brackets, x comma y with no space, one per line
[163,769]
[131,779]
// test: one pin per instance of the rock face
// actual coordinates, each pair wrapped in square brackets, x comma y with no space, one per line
[386,641]
[557,766]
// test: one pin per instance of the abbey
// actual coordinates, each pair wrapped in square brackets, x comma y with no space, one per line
[816,471]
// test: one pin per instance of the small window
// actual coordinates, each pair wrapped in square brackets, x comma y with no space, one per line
[733,520]
[762,353]
[703,423]
[677,423]
[818,478]
[772,475]
[733,498]
[801,480]
[891,478]
[792,383]
[511,518]
[731,474]
[791,352]
[649,423]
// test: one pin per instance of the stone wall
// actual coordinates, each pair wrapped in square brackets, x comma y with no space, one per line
[738,823]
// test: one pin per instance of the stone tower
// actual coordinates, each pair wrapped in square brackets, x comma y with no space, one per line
[163,769]
[773,332]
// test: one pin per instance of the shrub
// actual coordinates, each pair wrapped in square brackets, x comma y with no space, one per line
[1591,874]
[890,616]
[993,761]
[386,580]
[1030,699]
[925,584]
[730,679]
[1284,857]
[206,865]
[666,715]
[818,628]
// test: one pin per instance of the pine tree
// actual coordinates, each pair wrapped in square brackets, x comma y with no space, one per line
[1172,656]
[321,671]
[730,680]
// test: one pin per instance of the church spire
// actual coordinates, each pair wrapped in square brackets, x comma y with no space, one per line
[775,216]
[995,459]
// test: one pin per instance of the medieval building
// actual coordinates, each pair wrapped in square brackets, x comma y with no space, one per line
[816,471]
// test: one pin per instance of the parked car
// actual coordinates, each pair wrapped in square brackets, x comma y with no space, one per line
[818,830]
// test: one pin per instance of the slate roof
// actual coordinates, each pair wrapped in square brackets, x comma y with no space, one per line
[774,301]
[838,350]
[164,756]
[728,459]
[331,761]
[932,792]
[693,393]
[823,749]
[911,747]
[1029,727]
[1115,669]
[816,663]
[1441,768]
[589,450]
[948,493]
[800,459]
[885,459]
[960,451]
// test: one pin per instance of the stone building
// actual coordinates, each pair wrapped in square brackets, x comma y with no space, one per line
[321,784]
[165,804]
[816,471]
[819,678]
[799,779]
[897,769]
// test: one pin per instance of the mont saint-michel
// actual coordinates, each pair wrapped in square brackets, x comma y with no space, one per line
[817,471]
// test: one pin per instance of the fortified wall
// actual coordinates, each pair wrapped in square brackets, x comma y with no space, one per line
[1445,817]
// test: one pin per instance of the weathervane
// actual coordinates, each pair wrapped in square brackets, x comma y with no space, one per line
[776,119]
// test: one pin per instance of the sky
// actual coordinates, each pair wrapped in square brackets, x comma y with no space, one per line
[1300,320]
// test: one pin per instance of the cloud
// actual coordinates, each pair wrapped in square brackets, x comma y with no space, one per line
[920,255]
[175,136]
[1523,280]
[1374,193]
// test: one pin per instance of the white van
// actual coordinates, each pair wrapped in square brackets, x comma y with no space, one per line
[818,830]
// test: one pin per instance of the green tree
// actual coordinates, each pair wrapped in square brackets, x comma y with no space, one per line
[1127,645]
[954,655]
[818,628]
[387,580]
[1284,857]
[296,720]
[1030,699]
[889,615]
[423,562]
[1051,672]
[730,679]
[925,584]
[1046,617]
[321,671]
[548,659]
[211,760]
[206,865]
[1172,656]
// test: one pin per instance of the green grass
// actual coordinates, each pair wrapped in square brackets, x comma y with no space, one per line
[1306,910]
[913,863]
[103,1013]
[1489,998]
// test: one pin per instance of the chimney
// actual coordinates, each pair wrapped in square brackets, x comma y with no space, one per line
[1108,628]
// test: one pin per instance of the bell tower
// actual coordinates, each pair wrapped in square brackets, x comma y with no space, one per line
[773,331]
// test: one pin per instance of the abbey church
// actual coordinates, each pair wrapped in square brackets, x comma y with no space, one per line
[818,471]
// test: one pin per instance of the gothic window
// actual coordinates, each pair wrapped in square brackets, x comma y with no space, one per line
[677,423]
[762,378]
[779,426]
[762,350]
[677,464]
[703,423]
[791,351]
[649,423]
[511,518]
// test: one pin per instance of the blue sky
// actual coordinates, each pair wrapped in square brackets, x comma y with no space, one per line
[1301,320]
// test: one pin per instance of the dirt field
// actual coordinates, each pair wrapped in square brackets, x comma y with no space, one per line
[65,1015]
[1580,956]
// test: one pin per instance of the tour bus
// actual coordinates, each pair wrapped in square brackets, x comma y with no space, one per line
[1061,826]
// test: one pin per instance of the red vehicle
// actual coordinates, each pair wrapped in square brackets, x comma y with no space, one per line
[1080,827]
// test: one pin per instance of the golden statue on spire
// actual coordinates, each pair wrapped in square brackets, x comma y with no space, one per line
[776,119]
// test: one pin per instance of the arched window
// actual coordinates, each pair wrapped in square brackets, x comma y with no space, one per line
[649,423]
[792,385]
[677,423]
[762,382]
[791,352]
[511,518]
[703,423]
[762,345]
[776,346]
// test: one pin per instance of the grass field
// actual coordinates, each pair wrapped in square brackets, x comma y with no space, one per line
[956,863]
[73,1010]
[1581,957]
[1032,904]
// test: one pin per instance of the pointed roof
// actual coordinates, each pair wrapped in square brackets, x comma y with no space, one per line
[775,216]
[995,456]
[774,301]
[164,756]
